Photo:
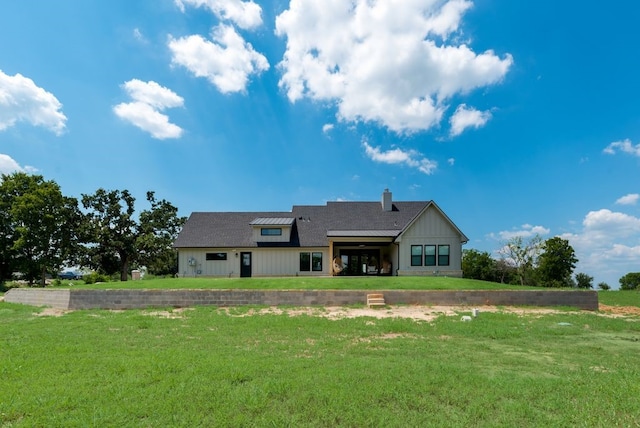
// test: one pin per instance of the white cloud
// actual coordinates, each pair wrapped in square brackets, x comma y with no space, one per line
[398,156]
[525,231]
[8,165]
[22,101]
[149,98]
[624,146]
[245,14]
[227,62]
[630,199]
[451,161]
[137,34]
[395,63]
[608,246]
[327,127]
[465,117]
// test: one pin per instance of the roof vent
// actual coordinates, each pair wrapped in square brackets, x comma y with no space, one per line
[387,204]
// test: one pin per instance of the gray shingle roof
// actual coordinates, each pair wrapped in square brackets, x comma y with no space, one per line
[311,226]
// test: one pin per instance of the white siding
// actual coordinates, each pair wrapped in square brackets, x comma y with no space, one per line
[258,237]
[431,228]
[264,262]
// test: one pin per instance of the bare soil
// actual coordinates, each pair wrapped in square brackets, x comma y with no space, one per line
[415,312]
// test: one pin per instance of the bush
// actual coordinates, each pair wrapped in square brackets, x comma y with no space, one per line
[604,286]
[94,277]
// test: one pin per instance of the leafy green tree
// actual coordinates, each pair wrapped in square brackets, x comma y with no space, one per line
[584,281]
[39,225]
[118,241]
[159,227]
[523,256]
[630,281]
[556,263]
[111,231]
[604,286]
[478,265]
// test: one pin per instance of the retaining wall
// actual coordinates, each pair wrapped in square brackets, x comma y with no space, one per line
[137,299]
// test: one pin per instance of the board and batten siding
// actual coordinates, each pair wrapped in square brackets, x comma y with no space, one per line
[264,262]
[431,228]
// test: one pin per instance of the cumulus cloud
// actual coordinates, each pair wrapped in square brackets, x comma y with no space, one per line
[467,117]
[630,199]
[394,63]
[608,243]
[8,165]
[398,156]
[327,127]
[149,99]
[525,231]
[244,14]
[623,146]
[227,61]
[22,101]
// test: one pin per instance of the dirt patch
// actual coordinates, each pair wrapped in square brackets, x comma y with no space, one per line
[172,314]
[620,310]
[415,312]
[52,312]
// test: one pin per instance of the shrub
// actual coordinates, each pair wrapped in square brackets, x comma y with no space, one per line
[94,277]
[604,286]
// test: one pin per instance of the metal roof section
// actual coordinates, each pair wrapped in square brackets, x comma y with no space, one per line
[272,221]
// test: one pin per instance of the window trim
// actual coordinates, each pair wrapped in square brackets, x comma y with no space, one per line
[270,231]
[446,257]
[432,262]
[416,257]
[220,256]
[313,266]
[307,266]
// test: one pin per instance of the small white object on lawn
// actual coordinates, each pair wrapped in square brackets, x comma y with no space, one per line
[466,318]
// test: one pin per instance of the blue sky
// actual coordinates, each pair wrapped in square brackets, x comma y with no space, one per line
[515,117]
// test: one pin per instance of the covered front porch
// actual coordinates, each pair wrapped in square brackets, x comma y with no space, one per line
[358,253]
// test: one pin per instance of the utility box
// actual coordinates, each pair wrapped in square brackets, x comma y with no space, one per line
[135,275]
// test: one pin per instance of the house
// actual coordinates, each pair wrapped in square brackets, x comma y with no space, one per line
[339,238]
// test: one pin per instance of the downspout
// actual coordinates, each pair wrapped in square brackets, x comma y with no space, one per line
[398,252]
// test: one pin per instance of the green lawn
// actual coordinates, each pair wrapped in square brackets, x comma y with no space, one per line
[620,298]
[318,283]
[206,367]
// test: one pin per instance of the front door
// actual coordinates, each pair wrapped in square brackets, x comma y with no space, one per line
[245,265]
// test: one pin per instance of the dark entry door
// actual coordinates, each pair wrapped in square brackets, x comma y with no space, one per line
[245,265]
[360,262]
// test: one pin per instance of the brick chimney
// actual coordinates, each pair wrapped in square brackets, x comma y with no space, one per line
[387,204]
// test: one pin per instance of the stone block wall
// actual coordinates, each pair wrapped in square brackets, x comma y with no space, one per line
[137,299]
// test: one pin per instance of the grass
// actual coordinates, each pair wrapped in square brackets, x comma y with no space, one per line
[209,367]
[620,298]
[318,283]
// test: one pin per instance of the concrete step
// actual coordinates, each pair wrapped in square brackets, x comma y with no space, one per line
[375,300]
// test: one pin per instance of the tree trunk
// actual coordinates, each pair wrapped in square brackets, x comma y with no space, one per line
[124,267]
[43,278]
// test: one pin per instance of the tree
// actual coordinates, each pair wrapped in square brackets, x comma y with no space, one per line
[39,225]
[584,281]
[159,227]
[111,229]
[523,256]
[118,241]
[478,265]
[556,263]
[630,281]
[604,286]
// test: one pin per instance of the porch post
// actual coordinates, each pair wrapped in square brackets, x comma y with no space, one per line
[331,271]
